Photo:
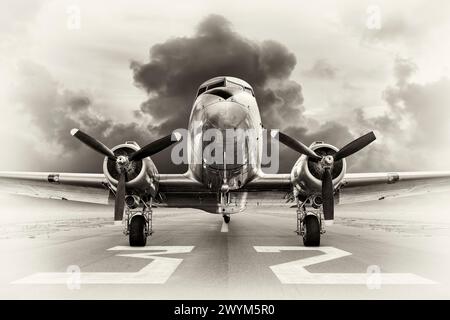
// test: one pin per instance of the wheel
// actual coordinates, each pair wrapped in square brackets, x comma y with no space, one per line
[137,236]
[226,218]
[311,237]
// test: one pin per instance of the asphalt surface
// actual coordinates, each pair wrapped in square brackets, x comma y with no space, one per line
[193,255]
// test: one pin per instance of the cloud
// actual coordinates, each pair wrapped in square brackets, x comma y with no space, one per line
[322,69]
[403,70]
[414,132]
[178,66]
[171,77]
[397,24]
[54,111]
[413,124]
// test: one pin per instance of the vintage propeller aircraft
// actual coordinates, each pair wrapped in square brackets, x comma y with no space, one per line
[317,182]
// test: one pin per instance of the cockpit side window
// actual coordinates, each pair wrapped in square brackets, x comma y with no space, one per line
[201,90]
[217,84]
[249,90]
[231,84]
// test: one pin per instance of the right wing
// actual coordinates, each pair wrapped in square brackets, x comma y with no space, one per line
[361,187]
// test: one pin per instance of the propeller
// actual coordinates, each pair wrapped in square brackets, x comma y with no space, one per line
[119,203]
[155,147]
[123,161]
[327,195]
[93,143]
[355,146]
[326,162]
[297,146]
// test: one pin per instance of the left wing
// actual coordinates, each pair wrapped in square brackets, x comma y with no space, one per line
[93,188]
[84,187]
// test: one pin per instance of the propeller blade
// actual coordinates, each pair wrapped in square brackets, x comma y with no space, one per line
[119,204]
[92,143]
[155,146]
[354,146]
[297,146]
[327,195]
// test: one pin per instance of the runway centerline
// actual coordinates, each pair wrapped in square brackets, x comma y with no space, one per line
[224,227]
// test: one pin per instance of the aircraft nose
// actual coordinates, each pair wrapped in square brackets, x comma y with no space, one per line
[226,115]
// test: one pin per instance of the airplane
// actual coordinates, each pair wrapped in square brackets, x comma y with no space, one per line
[318,180]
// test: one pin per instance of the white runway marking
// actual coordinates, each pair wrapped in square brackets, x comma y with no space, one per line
[224,227]
[294,272]
[157,271]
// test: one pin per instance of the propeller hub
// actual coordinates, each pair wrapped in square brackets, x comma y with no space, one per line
[122,161]
[327,160]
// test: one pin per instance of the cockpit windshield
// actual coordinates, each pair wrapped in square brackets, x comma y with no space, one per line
[216,85]
[223,83]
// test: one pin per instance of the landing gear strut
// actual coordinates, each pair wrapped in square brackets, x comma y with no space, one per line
[139,224]
[309,223]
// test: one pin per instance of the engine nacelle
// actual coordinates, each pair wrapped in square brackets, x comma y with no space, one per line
[141,176]
[306,174]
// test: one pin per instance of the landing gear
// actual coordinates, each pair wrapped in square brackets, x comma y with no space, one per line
[139,225]
[311,234]
[137,236]
[226,218]
[309,223]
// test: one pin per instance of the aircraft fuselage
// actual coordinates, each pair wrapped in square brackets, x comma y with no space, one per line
[224,134]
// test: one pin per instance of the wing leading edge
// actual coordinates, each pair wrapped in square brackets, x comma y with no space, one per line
[264,190]
[361,187]
[84,187]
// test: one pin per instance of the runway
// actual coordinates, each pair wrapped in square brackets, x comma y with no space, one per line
[193,255]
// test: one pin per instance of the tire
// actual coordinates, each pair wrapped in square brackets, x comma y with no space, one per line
[226,219]
[137,235]
[311,238]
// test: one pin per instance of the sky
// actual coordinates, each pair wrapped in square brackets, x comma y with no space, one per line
[129,70]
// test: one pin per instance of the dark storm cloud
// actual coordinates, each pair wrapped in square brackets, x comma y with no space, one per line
[178,66]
